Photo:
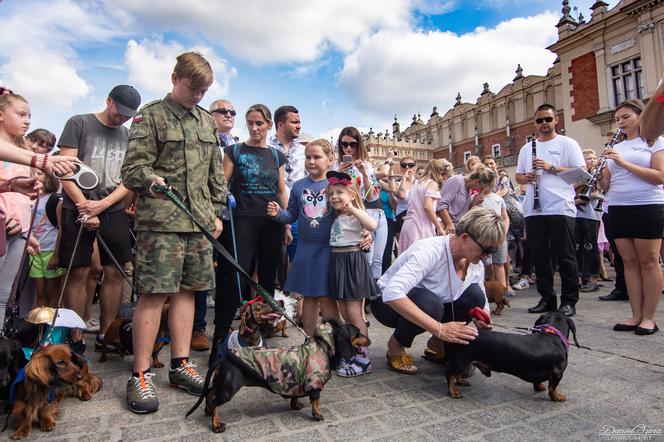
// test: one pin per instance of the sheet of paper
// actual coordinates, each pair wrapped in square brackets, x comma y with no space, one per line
[575,175]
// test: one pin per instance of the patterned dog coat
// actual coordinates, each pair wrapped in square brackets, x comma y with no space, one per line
[295,371]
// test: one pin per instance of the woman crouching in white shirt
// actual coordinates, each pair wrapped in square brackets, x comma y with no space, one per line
[433,284]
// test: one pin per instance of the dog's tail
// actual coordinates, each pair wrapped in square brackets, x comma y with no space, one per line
[206,386]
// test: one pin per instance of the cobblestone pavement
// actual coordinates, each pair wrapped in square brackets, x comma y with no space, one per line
[614,385]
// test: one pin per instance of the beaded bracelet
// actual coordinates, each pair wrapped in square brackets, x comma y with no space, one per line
[44,162]
[33,162]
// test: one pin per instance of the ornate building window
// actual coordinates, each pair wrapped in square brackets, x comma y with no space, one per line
[495,150]
[466,155]
[627,80]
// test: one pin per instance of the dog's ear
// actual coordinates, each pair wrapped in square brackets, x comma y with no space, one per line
[572,327]
[543,319]
[78,360]
[39,368]
[18,357]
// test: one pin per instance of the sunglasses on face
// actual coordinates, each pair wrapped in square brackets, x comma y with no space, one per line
[485,250]
[224,111]
[542,120]
[345,145]
[407,165]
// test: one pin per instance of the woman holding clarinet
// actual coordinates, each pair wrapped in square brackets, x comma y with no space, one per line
[633,181]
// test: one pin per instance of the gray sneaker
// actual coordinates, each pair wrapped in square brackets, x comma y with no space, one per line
[187,378]
[141,394]
[589,286]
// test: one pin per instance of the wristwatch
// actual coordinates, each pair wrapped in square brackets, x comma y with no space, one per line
[553,168]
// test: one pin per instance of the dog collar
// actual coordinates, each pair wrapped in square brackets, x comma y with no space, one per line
[546,328]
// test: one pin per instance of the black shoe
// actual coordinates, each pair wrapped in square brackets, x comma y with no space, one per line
[624,327]
[542,307]
[567,310]
[646,331]
[615,295]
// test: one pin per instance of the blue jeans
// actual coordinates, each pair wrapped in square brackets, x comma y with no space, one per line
[375,254]
[200,309]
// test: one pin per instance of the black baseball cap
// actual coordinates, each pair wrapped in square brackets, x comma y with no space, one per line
[126,99]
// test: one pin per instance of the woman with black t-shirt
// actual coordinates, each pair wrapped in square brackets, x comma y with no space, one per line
[255,173]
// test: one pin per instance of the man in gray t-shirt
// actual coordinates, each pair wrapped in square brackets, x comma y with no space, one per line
[99,140]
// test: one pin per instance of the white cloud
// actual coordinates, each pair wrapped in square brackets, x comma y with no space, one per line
[150,64]
[39,49]
[412,71]
[266,32]
[47,79]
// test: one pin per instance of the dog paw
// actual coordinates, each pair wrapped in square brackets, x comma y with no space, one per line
[47,426]
[19,434]
[157,364]
[455,395]
[463,382]
[539,387]
[557,397]
[318,417]
[219,428]
[295,404]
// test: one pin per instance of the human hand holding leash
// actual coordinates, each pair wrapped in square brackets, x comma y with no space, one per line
[157,181]
[218,227]
[91,207]
[91,222]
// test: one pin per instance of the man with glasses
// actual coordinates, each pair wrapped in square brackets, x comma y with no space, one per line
[99,140]
[287,124]
[224,113]
[550,230]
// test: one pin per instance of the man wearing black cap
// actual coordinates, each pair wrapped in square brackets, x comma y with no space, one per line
[99,140]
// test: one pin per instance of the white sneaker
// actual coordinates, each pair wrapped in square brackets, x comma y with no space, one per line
[521,285]
[92,325]
[210,301]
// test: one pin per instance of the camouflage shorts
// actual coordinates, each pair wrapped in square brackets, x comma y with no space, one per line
[170,262]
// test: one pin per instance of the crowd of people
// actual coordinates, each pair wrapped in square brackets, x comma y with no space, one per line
[325,224]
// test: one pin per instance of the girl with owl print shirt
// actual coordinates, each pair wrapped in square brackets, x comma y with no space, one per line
[308,205]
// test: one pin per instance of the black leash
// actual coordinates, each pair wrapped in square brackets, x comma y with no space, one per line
[169,193]
[115,261]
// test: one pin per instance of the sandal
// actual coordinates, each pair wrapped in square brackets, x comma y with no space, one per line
[434,356]
[402,364]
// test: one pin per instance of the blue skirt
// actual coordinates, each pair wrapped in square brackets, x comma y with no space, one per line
[309,271]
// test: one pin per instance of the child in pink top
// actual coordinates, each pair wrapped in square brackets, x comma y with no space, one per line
[421,220]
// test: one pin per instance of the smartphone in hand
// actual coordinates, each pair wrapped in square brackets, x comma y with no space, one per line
[347,159]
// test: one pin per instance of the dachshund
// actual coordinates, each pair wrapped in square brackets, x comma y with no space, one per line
[36,397]
[119,335]
[12,360]
[289,372]
[497,292]
[253,316]
[537,357]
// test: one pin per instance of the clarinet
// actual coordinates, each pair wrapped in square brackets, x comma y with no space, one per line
[536,201]
[592,182]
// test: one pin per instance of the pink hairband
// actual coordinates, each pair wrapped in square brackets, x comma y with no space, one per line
[335,181]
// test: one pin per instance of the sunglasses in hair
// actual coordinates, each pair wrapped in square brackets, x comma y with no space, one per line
[485,250]
[224,111]
[407,165]
[542,120]
[352,144]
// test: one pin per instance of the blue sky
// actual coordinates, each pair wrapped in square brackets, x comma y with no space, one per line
[341,62]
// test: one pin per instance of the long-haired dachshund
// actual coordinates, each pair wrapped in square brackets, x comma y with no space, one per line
[12,360]
[536,358]
[289,372]
[36,398]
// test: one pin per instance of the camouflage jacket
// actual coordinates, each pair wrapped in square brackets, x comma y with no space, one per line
[295,371]
[180,144]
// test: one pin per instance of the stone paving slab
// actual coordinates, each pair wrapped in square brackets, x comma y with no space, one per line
[618,381]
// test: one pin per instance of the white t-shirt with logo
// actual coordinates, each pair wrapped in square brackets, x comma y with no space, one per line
[555,195]
[626,188]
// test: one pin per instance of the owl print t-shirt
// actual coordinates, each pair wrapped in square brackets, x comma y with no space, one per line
[255,178]
[308,205]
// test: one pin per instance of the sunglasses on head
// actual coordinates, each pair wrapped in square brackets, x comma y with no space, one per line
[224,111]
[542,120]
[352,144]
[407,165]
[485,250]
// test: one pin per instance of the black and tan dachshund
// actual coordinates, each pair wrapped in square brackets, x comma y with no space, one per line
[536,358]
[289,372]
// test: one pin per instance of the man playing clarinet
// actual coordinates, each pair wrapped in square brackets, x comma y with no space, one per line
[550,228]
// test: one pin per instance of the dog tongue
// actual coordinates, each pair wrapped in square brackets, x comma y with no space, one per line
[479,314]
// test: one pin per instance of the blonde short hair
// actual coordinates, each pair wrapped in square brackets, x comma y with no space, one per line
[194,66]
[483,174]
[588,152]
[484,225]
